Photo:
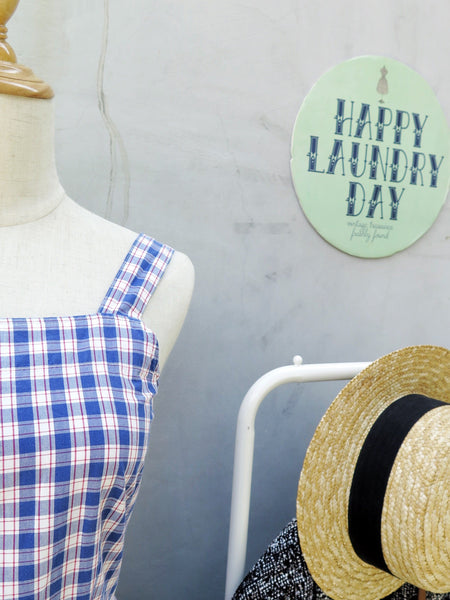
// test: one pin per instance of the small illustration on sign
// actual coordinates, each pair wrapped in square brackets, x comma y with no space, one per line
[383,87]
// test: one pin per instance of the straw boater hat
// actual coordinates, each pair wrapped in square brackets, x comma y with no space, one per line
[373,504]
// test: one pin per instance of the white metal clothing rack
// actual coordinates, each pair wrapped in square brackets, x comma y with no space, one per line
[243,454]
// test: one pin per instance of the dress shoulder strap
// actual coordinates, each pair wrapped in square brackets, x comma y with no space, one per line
[137,278]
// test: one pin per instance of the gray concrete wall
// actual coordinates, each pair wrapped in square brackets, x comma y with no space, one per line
[175,118]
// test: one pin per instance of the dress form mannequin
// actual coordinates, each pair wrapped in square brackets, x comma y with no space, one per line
[57,258]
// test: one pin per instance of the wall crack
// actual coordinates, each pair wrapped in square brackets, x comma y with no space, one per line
[119,164]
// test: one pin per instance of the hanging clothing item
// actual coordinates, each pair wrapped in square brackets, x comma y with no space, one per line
[281,574]
[75,408]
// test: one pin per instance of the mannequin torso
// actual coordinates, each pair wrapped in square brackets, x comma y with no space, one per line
[57,258]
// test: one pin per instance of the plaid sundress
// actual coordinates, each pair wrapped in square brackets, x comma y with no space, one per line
[75,410]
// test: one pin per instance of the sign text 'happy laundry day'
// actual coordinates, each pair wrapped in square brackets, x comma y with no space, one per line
[392,160]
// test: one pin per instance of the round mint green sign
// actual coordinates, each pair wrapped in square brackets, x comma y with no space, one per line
[370,156]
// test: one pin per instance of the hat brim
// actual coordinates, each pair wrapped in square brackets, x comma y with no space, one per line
[327,473]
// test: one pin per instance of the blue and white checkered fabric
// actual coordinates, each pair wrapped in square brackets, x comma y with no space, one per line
[75,411]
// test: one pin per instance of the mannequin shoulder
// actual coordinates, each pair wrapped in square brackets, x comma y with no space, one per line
[100,247]
[172,296]
[167,309]
[178,278]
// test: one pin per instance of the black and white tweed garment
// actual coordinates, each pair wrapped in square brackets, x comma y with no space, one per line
[281,574]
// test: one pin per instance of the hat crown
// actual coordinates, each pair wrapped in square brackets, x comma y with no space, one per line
[415,527]
[374,466]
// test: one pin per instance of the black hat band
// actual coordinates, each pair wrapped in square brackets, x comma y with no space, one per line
[372,473]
